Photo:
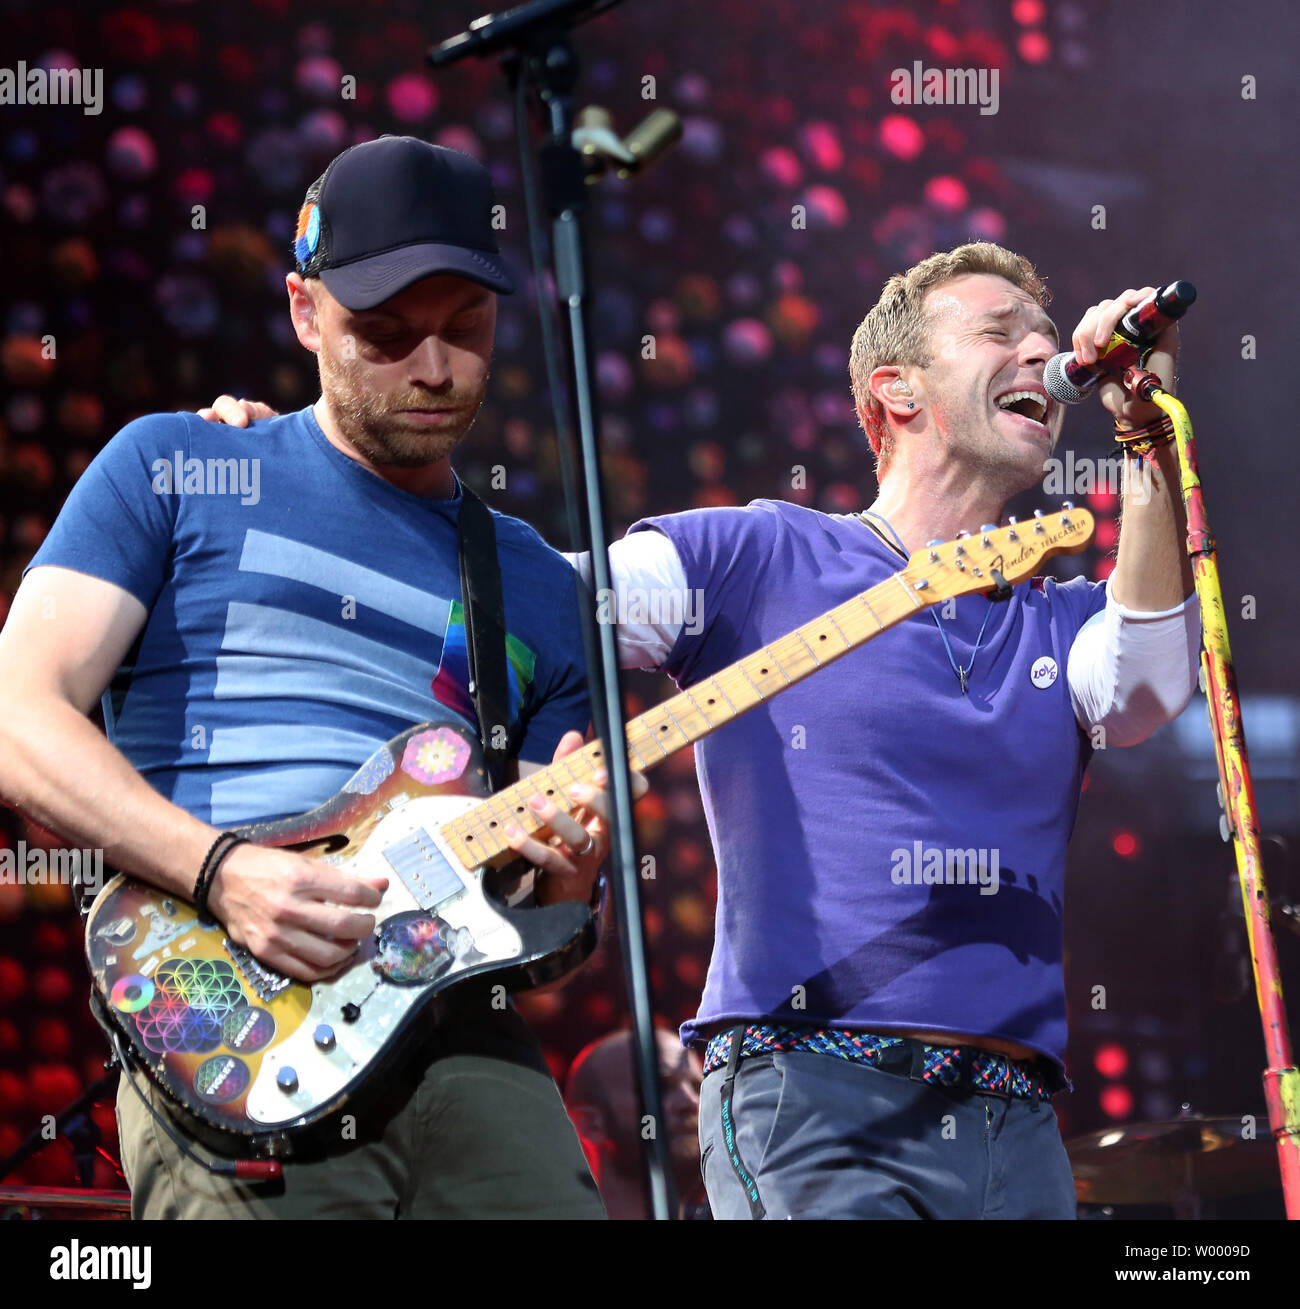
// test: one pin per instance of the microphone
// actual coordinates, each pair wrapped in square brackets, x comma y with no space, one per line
[1069,381]
[513,27]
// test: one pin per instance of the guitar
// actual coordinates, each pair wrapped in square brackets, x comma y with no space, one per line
[258,1060]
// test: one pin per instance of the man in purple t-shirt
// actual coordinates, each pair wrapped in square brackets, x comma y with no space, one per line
[884,1014]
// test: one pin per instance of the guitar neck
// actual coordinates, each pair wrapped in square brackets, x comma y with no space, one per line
[479,835]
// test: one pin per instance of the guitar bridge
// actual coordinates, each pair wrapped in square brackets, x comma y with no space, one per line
[265,981]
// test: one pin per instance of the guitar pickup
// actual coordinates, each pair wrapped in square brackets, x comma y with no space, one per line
[423,870]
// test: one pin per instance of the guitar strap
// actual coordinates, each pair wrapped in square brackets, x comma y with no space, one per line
[485,631]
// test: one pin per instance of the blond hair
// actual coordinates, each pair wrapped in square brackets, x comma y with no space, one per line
[896,328]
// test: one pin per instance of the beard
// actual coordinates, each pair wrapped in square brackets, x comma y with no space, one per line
[375,426]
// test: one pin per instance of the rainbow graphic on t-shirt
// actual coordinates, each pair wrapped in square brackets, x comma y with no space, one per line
[450,685]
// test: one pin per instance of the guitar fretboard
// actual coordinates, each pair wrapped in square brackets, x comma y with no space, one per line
[479,835]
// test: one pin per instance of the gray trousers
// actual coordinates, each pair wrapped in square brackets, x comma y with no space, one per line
[473,1127]
[823,1137]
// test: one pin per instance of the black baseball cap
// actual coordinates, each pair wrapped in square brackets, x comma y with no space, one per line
[388,212]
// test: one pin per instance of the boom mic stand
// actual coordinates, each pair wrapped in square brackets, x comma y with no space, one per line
[1237,792]
[537,55]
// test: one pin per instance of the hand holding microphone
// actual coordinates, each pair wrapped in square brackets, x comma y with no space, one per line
[1117,335]
[1111,336]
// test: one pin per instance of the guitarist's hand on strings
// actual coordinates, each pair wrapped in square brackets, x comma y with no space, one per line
[299,916]
[569,849]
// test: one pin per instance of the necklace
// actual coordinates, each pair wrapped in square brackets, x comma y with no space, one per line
[963,674]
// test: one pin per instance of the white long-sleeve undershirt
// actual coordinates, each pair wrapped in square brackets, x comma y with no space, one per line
[1129,672]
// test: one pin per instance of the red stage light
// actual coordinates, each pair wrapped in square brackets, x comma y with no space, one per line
[599,1010]
[13,981]
[947,194]
[1111,1060]
[1028,13]
[53,986]
[1125,844]
[12,1094]
[901,136]
[1034,47]
[1117,1101]
[52,1087]
[47,938]
[51,1038]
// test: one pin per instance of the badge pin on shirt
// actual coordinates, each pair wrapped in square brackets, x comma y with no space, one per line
[1043,672]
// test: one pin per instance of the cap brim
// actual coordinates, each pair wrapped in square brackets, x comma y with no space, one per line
[369,282]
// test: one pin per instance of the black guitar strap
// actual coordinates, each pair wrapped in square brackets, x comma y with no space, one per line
[485,631]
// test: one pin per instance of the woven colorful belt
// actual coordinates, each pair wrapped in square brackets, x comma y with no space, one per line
[969,1066]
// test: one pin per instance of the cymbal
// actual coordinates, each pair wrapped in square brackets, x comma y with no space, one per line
[1157,1162]
[52,1201]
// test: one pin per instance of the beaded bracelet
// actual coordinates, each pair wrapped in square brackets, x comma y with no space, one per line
[1143,440]
[212,861]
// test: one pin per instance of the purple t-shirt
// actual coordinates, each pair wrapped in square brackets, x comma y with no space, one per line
[891,852]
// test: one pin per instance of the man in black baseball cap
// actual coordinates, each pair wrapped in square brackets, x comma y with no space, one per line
[389,212]
[395,292]
[281,638]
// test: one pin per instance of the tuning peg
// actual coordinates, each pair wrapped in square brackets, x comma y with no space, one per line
[1038,513]
[1013,520]
[929,545]
[1066,505]
[961,536]
[988,527]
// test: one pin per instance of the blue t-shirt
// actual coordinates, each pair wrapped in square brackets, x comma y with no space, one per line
[302,611]
[890,851]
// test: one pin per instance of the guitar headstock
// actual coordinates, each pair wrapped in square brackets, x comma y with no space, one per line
[972,562]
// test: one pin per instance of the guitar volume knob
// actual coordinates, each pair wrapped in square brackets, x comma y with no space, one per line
[287,1080]
[324,1037]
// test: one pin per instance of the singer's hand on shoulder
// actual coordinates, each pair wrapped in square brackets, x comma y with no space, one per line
[1096,327]
[236,413]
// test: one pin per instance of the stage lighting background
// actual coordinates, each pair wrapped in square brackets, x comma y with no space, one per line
[232,111]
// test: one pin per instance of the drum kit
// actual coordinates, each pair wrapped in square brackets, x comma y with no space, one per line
[1188,1167]
[55,1202]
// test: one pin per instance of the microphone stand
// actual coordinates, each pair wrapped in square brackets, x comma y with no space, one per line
[74,1122]
[1237,791]
[533,38]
